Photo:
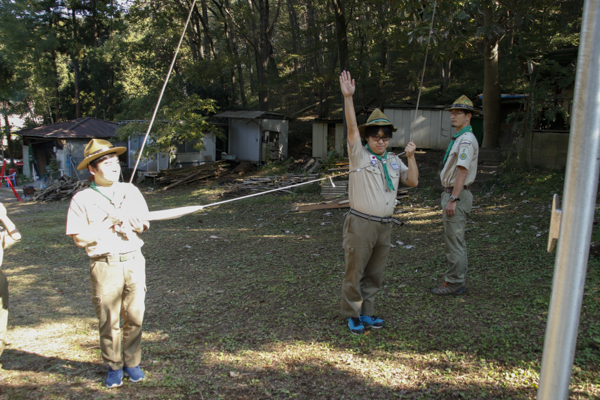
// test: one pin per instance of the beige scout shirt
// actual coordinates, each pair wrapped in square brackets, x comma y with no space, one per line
[88,207]
[464,153]
[368,190]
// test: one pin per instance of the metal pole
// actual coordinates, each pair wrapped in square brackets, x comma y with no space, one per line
[580,190]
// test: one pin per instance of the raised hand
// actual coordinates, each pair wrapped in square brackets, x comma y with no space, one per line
[410,149]
[347,84]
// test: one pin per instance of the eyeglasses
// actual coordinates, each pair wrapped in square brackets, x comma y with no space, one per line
[454,112]
[383,139]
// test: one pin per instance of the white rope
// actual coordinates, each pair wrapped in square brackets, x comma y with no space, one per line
[181,211]
[412,127]
[162,91]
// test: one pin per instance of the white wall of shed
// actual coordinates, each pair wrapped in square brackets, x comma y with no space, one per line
[158,163]
[432,129]
[339,139]
[319,139]
[26,169]
[244,139]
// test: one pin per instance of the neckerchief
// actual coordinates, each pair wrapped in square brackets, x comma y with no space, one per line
[390,184]
[95,187]
[463,130]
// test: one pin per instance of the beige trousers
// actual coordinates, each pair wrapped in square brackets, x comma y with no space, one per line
[454,237]
[367,247]
[3,310]
[119,289]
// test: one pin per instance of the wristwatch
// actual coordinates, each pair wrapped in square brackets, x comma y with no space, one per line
[452,198]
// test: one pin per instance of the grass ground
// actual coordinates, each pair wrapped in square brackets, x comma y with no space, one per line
[243,303]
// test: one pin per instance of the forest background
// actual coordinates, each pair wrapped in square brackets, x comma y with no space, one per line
[61,60]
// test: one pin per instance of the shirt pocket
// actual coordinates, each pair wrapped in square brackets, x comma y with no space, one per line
[374,170]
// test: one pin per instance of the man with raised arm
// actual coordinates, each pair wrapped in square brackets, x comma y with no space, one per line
[373,188]
[106,220]
[8,236]
[460,168]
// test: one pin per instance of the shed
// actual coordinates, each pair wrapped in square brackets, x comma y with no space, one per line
[65,140]
[327,134]
[256,136]
[432,129]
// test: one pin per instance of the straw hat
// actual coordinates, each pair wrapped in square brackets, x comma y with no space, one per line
[463,103]
[96,148]
[377,118]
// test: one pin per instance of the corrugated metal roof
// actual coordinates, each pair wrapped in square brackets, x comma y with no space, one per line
[83,128]
[250,114]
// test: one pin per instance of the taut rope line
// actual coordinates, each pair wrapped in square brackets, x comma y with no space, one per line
[162,91]
[181,211]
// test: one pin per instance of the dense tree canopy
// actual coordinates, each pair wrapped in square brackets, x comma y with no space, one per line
[71,58]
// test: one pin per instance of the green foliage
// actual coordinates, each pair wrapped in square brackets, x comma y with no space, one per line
[285,54]
[181,121]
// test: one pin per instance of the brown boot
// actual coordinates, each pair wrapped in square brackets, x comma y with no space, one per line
[449,288]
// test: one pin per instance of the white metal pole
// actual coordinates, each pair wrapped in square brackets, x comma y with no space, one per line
[581,185]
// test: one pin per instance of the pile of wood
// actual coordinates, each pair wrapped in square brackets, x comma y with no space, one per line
[341,166]
[61,189]
[338,203]
[340,189]
[184,176]
[264,183]
[271,182]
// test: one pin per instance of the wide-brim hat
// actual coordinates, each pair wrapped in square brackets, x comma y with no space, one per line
[377,118]
[463,103]
[96,148]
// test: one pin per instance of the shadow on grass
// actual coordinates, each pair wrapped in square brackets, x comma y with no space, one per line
[18,360]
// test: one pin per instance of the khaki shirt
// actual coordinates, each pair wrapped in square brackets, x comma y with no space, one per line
[368,190]
[89,207]
[464,153]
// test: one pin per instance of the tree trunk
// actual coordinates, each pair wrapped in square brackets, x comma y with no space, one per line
[295,29]
[75,61]
[445,75]
[234,51]
[56,82]
[491,87]
[7,133]
[76,83]
[342,44]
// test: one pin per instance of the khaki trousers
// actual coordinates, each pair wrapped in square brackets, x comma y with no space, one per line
[3,310]
[367,247]
[454,236]
[119,289]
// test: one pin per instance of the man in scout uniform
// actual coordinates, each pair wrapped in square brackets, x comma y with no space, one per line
[460,168]
[8,237]
[106,220]
[373,188]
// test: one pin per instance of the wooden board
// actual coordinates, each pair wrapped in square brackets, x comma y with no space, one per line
[341,203]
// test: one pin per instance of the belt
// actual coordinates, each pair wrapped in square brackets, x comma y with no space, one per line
[451,189]
[383,220]
[117,257]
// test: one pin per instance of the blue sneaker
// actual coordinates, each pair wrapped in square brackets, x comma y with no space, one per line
[372,322]
[135,373]
[114,378]
[356,327]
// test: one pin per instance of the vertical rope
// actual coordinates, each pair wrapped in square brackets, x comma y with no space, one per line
[162,91]
[412,126]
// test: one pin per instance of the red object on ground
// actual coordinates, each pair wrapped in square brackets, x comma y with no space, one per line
[9,182]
